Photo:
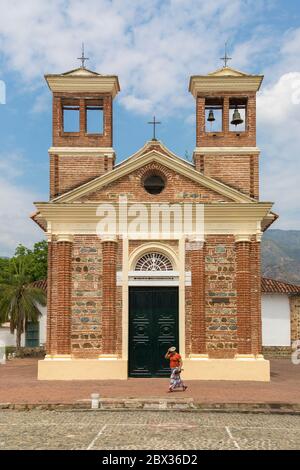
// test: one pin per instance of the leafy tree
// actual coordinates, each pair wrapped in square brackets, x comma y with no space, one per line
[36,259]
[18,298]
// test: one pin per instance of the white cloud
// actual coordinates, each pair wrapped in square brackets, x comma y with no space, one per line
[278,124]
[15,206]
[16,226]
[153,46]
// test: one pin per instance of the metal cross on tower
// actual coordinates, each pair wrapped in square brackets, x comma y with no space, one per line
[226,58]
[154,123]
[83,58]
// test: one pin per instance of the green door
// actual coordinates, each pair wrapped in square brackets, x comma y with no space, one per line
[32,335]
[153,328]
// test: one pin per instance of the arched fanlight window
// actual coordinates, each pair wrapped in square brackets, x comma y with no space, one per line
[154,262]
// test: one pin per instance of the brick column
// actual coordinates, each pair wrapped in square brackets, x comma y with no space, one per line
[256,324]
[109,290]
[200,119]
[226,118]
[198,301]
[243,282]
[63,305]
[49,299]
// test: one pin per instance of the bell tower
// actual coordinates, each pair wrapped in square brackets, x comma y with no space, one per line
[226,128]
[82,127]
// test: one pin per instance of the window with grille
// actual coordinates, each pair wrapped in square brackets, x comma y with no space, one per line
[154,262]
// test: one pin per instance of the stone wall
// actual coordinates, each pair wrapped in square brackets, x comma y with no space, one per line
[86,336]
[221,296]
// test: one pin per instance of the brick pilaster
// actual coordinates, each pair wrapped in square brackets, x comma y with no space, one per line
[243,281]
[109,290]
[63,304]
[49,298]
[198,301]
[256,324]
[52,297]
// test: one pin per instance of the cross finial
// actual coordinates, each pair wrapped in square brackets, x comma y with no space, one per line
[83,58]
[154,123]
[226,58]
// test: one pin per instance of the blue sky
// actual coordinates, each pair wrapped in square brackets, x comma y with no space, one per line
[154,47]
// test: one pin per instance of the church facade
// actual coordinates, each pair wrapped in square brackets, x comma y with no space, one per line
[123,288]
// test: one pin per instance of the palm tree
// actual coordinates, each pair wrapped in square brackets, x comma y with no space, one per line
[19,298]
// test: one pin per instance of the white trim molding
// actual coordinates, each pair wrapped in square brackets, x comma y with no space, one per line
[242,238]
[227,150]
[64,237]
[80,151]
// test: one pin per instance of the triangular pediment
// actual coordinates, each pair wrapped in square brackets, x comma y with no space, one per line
[228,71]
[154,146]
[80,71]
[139,161]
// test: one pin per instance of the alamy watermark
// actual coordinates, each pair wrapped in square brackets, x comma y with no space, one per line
[296,352]
[2,92]
[2,352]
[296,93]
[152,220]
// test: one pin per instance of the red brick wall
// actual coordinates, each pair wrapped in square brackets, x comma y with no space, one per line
[198,320]
[256,322]
[178,188]
[68,172]
[59,298]
[243,277]
[109,321]
[51,320]
[82,139]
[226,138]
[238,171]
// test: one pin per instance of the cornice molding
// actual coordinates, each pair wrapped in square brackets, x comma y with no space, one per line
[224,83]
[64,237]
[109,238]
[219,218]
[80,151]
[83,83]
[242,237]
[227,150]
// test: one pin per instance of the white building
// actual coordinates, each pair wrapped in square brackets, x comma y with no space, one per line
[280,316]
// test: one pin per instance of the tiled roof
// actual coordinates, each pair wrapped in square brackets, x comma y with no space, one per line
[278,287]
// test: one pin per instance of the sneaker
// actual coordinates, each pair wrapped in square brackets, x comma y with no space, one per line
[184,388]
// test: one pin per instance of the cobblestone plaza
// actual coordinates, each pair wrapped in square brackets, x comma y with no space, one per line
[101,430]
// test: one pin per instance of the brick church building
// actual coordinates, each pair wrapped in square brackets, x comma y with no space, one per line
[117,301]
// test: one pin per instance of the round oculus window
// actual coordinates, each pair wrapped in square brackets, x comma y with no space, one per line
[154,184]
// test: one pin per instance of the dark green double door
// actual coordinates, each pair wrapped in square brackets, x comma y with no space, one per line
[153,328]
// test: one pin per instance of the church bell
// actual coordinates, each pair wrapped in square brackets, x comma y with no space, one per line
[236,118]
[211,117]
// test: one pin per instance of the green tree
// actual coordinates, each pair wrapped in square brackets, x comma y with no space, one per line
[18,297]
[36,259]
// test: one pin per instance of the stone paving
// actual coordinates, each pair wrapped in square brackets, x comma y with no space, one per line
[95,430]
[19,384]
